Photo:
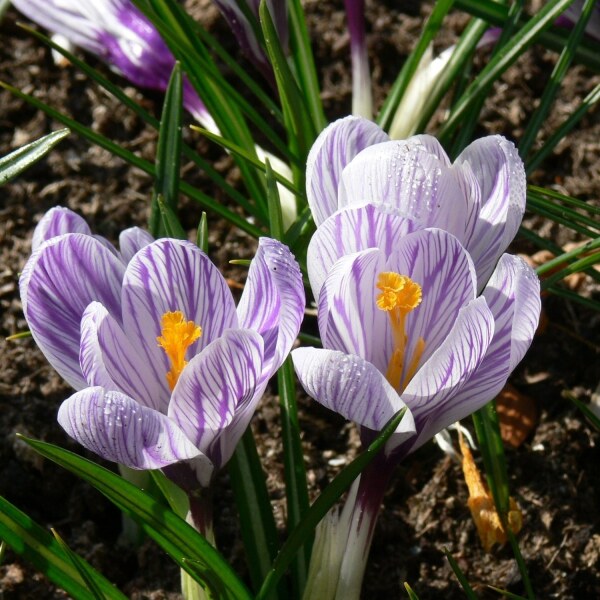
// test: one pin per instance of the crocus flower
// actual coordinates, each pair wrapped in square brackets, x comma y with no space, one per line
[362,96]
[117,32]
[402,324]
[480,198]
[166,368]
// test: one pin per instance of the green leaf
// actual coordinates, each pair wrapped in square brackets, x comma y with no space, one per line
[304,63]
[178,539]
[592,417]
[526,36]
[21,159]
[507,594]
[37,546]
[536,120]
[296,487]
[330,495]
[202,234]
[257,522]
[303,131]
[80,565]
[170,223]
[432,26]
[469,593]
[168,154]
[410,592]
[274,203]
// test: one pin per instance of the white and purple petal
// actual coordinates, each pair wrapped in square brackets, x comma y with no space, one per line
[352,387]
[58,282]
[351,230]
[335,148]
[500,173]
[431,393]
[133,240]
[110,359]
[117,428]
[214,384]
[273,300]
[172,275]
[56,221]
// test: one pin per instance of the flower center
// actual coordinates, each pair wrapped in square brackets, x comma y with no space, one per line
[398,296]
[177,336]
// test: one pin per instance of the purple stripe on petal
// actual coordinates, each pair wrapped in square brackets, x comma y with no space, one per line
[119,429]
[335,147]
[172,275]
[500,172]
[56,221]
[352,387]
[439,264]
[58,282]
[213,385]
[430,395]
[351,230]
[109,359]
[273,300]
[131,240]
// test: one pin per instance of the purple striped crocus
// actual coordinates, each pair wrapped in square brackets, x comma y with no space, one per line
[118,33]
[480,198]
[417,304]
[168,370]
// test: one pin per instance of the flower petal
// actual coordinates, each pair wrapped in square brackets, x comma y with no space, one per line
[351,230]
[335,147]
[117,428]
[513,295]
[58,282]
[500,173]
[172,275]
[352,387]
[109,359]
[131,240]
[273,300]
[56,221]
[432,395]
[213,385]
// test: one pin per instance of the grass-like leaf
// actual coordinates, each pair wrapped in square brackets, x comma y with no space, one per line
[591,416]
[565,59]
[432,26]
[37,546]
[526,36]
[21,159]
[181,541]
[410,592]
[168,154]
[330,495]
[462,579]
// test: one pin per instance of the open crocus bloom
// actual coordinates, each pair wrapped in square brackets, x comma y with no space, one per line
[480,198]
[166,367]
[404,325]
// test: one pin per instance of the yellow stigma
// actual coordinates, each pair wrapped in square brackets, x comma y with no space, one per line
[177,336]
[398,296]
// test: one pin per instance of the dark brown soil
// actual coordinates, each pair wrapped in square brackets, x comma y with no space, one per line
[554,474]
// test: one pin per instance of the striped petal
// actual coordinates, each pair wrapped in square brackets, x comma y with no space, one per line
[335,147]
[406,176]
[110,359]
[273,300]
[352,387]
[513,295]
[117,428]
[500,174]
[58,282]
[132,240]
[213,385]
[351,230]
[56,221]
[432,395]
[172,275]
